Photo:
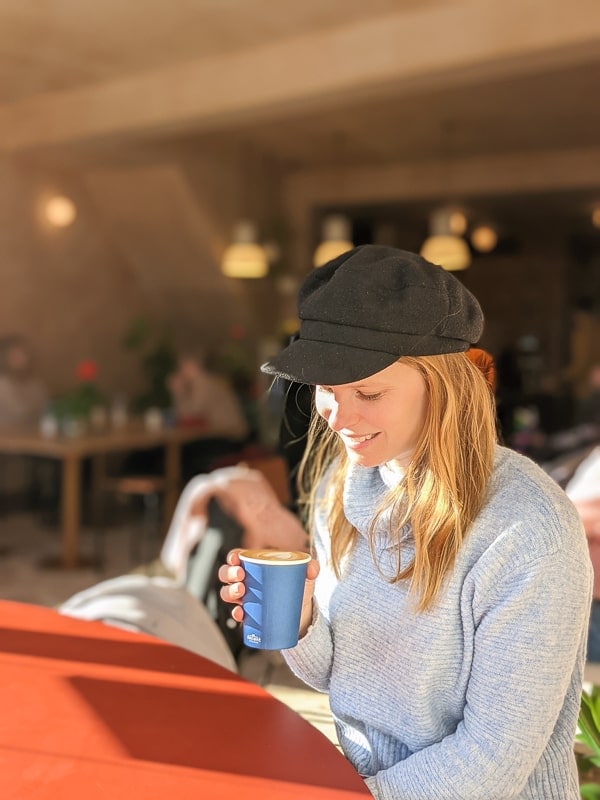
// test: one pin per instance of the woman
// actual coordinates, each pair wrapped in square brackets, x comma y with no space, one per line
[447,614]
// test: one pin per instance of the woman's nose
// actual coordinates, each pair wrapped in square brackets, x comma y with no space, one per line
[340,415]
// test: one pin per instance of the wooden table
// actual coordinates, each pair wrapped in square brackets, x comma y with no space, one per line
[72,451]
[95,712]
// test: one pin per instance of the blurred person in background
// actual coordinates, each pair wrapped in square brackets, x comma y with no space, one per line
[202,397]
[588,410]
[23,399]
[23,395]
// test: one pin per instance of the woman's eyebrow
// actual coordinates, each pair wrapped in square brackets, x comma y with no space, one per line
[371,387]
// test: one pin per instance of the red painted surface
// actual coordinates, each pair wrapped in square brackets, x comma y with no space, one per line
[88,711]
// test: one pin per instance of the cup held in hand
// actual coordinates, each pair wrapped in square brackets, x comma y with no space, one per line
[272,601]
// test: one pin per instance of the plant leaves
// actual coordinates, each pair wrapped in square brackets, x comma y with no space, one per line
[589,715]
[590,791]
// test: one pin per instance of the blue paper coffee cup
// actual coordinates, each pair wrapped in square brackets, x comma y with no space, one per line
[272,601]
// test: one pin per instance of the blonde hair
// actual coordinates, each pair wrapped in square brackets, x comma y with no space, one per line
[443,488]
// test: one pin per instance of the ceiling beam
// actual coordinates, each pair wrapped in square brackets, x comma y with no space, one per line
[432,45]
[474,175]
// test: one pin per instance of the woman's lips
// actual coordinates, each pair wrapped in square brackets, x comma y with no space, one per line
[358,442]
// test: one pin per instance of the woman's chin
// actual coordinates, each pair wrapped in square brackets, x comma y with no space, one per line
[361,459]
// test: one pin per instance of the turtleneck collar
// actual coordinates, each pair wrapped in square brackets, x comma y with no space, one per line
[364,491]
[391,473]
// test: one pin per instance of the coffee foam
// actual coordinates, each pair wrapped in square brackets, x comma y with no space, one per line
[275,556]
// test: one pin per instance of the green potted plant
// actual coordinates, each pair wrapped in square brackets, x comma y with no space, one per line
[589,736]
[74,407]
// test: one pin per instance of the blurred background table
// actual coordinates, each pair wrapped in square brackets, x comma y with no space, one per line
[71,452]
[94,711]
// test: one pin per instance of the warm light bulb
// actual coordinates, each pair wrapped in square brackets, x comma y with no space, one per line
[327,251]
[60,211]
[596,216]
[457,222]
[244,258]
[449,252]
[336,239]
[484,238]
[245,261]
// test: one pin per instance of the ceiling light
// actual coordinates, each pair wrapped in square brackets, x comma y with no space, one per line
[336,239]
[244,258]
[444,247]
[60,211]
[484,238]
[457,222]
[450,252]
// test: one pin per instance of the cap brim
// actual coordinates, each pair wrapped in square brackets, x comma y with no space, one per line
[327,364]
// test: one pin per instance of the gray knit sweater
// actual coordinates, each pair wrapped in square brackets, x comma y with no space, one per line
[478,697]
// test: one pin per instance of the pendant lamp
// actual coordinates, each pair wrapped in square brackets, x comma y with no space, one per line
[336,239]
[245,258]
[443,246]
[484,238]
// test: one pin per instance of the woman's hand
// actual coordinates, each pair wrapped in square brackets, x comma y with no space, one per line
[232,575]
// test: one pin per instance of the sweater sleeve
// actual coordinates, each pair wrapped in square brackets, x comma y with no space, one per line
[312,657]
[529,637]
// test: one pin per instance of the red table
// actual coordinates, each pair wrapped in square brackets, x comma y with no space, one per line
[89,711]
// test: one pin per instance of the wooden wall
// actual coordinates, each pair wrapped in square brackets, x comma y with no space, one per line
[146,241]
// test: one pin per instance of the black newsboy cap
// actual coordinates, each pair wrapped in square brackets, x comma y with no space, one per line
[365,309]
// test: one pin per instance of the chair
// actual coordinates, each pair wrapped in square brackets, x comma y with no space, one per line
[221,535]
[149,489]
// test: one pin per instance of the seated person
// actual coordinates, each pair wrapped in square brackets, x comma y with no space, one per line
[588,411]
[23,395]
[199,395]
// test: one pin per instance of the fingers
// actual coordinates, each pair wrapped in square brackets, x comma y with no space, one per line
[233,556]
[232,592]
[232,575]
[229,574]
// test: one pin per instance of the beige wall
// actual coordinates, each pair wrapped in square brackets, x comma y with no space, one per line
[147,240]
[152,225]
